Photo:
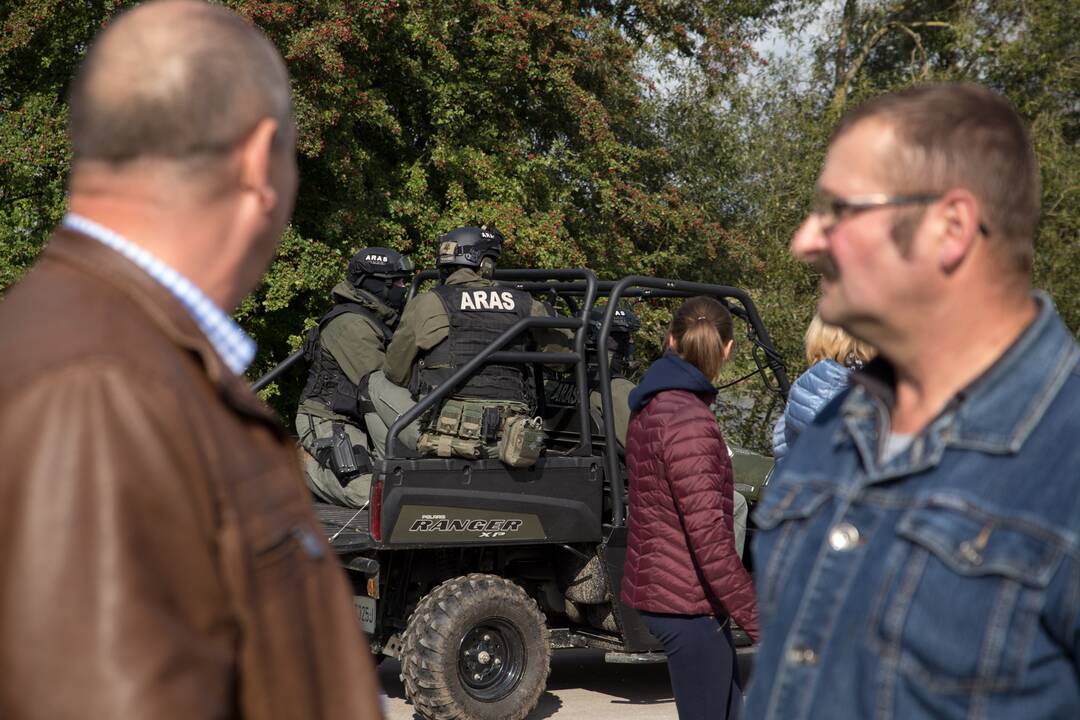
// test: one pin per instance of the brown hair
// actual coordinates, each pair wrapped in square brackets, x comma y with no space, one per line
[829,342]
[700,329]
[964,135]
[178,81]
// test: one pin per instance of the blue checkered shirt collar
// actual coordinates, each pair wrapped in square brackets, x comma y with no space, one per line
[232,344]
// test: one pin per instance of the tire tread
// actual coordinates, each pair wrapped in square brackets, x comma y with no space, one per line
[428,630]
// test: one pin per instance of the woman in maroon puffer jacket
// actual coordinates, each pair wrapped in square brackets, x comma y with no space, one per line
[682,571]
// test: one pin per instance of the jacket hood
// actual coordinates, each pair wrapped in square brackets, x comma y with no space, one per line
[670,372]
[344,291]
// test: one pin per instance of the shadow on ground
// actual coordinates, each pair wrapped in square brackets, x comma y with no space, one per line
[646,684]
[581,685]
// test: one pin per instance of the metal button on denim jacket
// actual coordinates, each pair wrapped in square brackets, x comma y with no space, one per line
[944,583]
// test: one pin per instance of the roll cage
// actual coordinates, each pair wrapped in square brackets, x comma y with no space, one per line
[579,289]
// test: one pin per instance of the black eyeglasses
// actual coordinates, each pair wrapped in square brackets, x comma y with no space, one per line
[832,210]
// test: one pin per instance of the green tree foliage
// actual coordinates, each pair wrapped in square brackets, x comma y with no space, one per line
[415,117]
[623,136]
[40,45]
[751,155]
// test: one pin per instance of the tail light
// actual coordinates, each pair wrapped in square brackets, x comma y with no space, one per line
[375,520]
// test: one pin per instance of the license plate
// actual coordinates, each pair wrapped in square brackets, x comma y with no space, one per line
[365,610]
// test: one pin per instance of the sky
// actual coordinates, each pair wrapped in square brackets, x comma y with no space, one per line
[777,45]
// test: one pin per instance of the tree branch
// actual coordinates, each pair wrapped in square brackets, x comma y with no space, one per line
[917,49]
[846,75]
[846,21]
[841,92]
[5,198]
[1053,208]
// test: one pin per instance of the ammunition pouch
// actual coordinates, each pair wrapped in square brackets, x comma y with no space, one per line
[491,424]
[455,432]
[474,429]
[343,400]
[448,446]
[460,418]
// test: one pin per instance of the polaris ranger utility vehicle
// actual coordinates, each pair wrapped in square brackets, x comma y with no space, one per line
[471,572]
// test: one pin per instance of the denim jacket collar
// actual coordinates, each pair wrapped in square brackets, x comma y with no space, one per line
[994,413]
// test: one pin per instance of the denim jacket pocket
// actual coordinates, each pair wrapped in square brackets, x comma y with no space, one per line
[789,501]
[964,588]
[778,517]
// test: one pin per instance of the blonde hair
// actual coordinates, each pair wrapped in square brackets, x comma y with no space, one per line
[829,342]
[701,328]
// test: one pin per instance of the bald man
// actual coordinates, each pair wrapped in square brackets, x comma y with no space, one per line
[158,555]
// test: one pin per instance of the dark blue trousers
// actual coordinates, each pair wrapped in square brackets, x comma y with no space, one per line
[702,664]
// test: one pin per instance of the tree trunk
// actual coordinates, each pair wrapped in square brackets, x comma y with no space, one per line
[840,81]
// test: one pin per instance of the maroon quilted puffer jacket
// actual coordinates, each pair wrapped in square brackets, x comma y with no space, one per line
[681,556]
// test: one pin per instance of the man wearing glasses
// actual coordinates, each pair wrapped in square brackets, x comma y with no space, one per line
[919,552]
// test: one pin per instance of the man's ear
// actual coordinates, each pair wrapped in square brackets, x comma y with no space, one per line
[960,228]
[255,155]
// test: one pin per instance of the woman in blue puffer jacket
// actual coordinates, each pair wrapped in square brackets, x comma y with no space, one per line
[831,354]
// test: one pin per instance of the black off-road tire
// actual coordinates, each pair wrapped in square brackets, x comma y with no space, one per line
[453,640]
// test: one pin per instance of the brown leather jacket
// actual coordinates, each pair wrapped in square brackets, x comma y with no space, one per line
[158,553]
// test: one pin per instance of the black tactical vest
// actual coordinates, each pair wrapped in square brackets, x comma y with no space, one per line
[325,374]
[478,316]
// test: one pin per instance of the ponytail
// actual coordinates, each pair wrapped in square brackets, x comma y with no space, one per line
[701,328]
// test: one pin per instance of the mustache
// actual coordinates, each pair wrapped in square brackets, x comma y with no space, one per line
[825,264]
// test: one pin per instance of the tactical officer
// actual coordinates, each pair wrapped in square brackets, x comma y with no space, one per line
[444,328]
[348,344]
[620,352]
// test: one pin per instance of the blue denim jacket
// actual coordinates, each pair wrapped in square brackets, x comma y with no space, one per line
[944,583]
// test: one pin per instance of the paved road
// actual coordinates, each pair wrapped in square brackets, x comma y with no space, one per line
[581,685]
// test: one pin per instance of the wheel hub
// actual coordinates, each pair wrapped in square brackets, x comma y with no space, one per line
[491,660]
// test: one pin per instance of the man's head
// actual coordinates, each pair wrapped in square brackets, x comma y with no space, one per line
[474,247]
[176,81]
[181,104]
[922,191]
[383,273]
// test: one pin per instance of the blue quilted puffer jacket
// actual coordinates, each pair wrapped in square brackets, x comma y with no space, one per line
[814,388]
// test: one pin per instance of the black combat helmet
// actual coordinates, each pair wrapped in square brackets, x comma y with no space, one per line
[623,326]
[470,247]
[375,269]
